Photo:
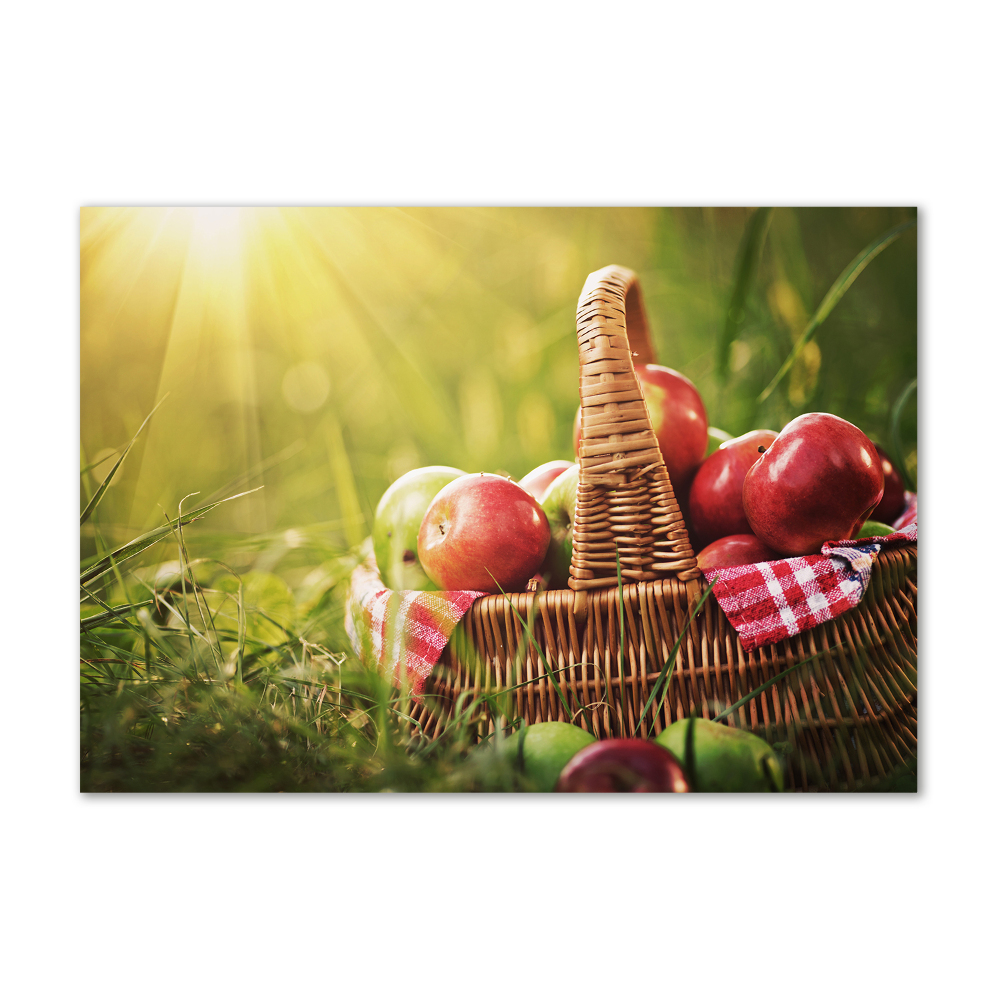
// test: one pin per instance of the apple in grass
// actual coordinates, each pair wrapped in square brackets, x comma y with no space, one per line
[631,765]
[715,502]
[723,759]
[397,523]
[543,749]
[538,480]
[483,532]
[677,416]
[820,479]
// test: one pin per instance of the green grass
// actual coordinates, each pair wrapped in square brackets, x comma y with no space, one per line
[204,677]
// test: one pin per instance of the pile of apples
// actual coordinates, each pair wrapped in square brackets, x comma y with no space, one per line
[561,757]
[761,496]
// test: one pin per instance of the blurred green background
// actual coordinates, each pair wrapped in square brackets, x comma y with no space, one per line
[323,352]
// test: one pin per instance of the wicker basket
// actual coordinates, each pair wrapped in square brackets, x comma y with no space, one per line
[845,719]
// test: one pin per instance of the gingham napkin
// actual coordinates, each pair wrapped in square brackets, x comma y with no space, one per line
[404,631]
[769,601]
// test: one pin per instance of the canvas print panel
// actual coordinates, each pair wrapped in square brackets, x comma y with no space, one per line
[474,499]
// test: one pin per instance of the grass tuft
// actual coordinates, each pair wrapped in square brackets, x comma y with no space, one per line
[837,290]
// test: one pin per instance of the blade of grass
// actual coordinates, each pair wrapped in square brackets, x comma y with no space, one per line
[95,621]
[96,498]
[621,629]
[689,754]
[538,649]
[259,469]
[834,295]
[355,525]
[102,549]
[493,698]
[522,735]
[668,668]
[143,542]
[897,446]
[101,461]
[120,615]
[774,680]
[184,562]
[747,260]
[241,631]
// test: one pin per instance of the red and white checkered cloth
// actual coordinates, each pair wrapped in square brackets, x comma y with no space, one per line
[769,601]
[403,630]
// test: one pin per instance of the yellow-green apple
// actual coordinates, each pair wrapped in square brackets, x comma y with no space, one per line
[678,419]
[543,750]
[715,438]
[734,550]
[715,502]
[874,529]
[893,499]
[397,522]
[631,765]
[723,759]
[819,480]
[559,504]
[538,480]
[483,532]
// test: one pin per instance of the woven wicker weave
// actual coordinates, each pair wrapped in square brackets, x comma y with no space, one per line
[845,719]
[624,501]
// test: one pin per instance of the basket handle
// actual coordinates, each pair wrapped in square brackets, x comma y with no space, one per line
[636,324]
[625,502]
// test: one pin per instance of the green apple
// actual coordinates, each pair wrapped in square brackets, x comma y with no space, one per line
[725,759]
[543,750]
[559,505]
[715,438]
[872,528]
[397,524]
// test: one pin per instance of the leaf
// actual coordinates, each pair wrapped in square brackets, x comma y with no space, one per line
[668,667]
[834,295]
[746,268]
[621,626]
[103,488]
[538,649]
[143,542]
[897,446]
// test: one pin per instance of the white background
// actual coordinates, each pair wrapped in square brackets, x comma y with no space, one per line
[514,104]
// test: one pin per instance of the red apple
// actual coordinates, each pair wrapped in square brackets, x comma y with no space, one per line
[623,766]
[538,480]
[478,525]
[716,497]
[678,418]
[734,550]
[893,500]
[819,480]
